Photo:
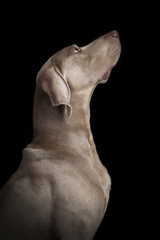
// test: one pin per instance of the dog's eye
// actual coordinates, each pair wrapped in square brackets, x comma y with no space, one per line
[76,49]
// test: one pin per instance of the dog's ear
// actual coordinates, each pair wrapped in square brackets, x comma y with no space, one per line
[53,83]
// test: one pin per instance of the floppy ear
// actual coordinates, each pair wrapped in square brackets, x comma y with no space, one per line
[54,84]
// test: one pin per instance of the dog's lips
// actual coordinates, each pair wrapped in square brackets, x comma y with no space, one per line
[106,75]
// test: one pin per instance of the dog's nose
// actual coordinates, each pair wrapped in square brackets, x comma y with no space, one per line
[114,34]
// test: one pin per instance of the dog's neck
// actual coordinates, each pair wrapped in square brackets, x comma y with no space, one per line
[53,126]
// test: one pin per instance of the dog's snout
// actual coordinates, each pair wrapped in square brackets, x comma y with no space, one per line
[114,34]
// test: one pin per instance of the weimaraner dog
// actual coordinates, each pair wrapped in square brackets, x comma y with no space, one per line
[61,189]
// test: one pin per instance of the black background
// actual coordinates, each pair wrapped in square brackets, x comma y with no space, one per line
[29,36]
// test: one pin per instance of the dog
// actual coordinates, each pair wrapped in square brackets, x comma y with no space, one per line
[61,189]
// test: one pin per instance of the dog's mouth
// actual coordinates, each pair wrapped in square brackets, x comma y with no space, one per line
[114,53]
[106,75]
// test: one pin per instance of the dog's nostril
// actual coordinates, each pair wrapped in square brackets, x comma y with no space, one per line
[114,34]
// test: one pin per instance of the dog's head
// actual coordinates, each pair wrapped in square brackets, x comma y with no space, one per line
[76,68]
